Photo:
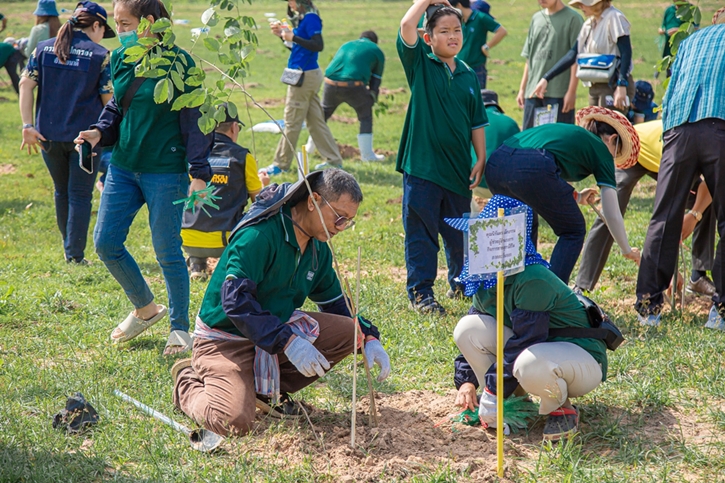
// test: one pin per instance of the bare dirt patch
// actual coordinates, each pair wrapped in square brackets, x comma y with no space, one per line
[406,442]
[385,91]
[7,169]
[343,119]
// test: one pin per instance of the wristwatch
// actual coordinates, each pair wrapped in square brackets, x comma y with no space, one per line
[485,47]
[26,126]
[696,214]
[622,83]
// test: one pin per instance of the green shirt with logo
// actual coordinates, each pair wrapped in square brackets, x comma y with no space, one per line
[445,107]
[357,60]
[475,32]
[268,254]
[577,152]
[550,37]
[537,289]
[149,138]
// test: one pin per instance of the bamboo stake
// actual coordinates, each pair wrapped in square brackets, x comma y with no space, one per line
[371,391]
[354,358]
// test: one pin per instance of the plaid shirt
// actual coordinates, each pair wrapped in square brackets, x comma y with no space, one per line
[697,86]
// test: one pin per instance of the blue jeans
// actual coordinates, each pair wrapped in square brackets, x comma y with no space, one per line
[73,196]
[532,176]
[425,204]
[123,196]
[482,75]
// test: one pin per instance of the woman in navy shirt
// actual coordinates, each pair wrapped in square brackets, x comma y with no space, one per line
[302,101]
[71,72]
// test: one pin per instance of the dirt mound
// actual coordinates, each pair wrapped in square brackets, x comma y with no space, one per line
[414,437]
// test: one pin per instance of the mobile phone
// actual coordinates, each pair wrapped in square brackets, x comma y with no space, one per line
[85,160]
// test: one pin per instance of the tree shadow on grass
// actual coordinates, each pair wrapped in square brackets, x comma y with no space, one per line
[26,465]
[17,205]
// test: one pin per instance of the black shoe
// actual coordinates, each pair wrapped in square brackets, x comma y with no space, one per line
[286,408]
[75,261]
[428,305]
[562,423]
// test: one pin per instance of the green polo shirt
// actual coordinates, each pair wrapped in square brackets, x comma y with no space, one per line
[577,152]
[475,32]
[500,128]
[357,60]
[268,254]
[537,289]
[444,108]
[149,139]
[6,50]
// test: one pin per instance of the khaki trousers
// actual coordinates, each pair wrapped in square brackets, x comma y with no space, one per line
[598,94]
[553,371]
[219,392]
[302,104]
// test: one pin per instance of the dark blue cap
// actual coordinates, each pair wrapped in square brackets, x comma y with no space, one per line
[100,12]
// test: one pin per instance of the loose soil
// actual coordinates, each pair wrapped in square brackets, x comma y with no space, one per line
[7,169]
[405,443]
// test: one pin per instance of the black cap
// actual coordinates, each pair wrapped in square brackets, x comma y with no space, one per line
[230,118]
[490,98]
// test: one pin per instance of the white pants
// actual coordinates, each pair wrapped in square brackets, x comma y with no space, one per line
[552,371]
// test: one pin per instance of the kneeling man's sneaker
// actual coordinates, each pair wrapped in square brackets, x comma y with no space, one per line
[702,286]
[714,320]
[561,423]
[653,320]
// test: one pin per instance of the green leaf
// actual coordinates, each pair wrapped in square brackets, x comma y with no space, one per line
[194,81]
[232,109]
[225,59]
[153,73]
[182,57]
[220,115]
[143,25]
[209,17]
[234,34]
[697,16]
[148,41]
[177,80]
[206,123]
[160,25]
[169,38]
[194,98]
[220,84]
[161,91]
[135,50]
[249,52]
[157,61]
[212,44]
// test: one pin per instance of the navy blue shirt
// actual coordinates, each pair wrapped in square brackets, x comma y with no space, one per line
[69,95]
[302,58]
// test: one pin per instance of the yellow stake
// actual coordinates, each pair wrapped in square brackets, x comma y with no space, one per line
[499,366]
[305,166]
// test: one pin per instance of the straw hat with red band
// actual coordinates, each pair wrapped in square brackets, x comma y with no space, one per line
[719,18]
[630,140]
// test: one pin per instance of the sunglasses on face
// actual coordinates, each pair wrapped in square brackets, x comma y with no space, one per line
[341,222]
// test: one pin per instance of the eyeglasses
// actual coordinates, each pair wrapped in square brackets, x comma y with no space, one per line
[341,222]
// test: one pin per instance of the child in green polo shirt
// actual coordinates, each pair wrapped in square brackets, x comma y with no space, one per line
[444,117]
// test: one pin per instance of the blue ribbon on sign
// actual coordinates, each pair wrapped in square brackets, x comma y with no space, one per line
[472,283]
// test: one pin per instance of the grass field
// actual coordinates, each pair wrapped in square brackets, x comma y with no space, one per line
[659,417]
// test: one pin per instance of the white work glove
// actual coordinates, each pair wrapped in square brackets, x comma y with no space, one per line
[306,358]
[375,353]
[487,411]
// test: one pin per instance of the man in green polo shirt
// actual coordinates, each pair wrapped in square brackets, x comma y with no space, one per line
[354,77]
[252,343]
[552,32]
[475,49]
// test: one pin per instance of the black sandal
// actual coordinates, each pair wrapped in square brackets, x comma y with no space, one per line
[286,408]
